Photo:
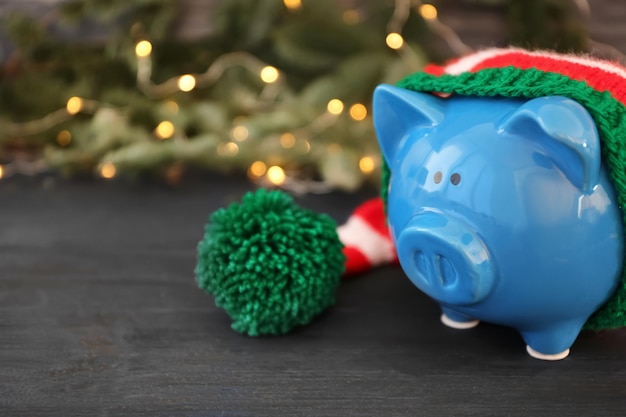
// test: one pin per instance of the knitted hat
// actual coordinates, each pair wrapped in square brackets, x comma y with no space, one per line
[273,266]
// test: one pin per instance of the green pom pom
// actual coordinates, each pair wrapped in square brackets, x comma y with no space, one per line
[269,263]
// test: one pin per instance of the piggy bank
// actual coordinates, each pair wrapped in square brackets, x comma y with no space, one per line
[501,210]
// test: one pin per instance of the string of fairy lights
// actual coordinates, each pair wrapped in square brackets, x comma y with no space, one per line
[273,80]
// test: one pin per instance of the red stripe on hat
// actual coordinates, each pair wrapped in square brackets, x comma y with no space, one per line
[433,69]
[373,213]
[600,75]
[356,261]
[366,238]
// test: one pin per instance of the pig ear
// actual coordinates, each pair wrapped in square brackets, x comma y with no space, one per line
[567,131]
[398,110]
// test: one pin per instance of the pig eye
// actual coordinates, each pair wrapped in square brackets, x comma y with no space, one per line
[455,178]
[438,176]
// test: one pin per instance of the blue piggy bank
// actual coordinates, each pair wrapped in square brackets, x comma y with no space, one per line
[501,210]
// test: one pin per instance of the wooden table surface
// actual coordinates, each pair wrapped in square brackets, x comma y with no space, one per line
[100,316]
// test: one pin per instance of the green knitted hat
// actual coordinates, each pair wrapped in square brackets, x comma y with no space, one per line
[599,86]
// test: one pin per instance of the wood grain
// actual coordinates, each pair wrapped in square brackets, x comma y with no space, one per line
[100,316]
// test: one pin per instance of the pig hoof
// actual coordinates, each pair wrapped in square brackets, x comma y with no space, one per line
[461,325]
[545,356]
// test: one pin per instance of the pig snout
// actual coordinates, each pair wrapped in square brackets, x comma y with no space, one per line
[445,258]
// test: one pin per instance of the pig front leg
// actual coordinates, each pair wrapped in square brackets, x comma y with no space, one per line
[457,321]
[552,342]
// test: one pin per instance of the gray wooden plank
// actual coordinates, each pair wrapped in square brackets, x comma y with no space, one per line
[100,315]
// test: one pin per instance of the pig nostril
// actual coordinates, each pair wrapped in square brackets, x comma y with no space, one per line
[434,268]
[447,272]
[421,262]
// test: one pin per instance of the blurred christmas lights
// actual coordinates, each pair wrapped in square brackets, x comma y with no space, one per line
[367,164]
[293,4]
[239,133]
[287,140]
[298,140]
[358,112]
[276,175]
[269,74]
[164,130]
[186,82]
[394,40]
[143,49]
[64,137]
[428,11]
[228,149]
[257,169]
[108,170]
[335,106]
[74,105]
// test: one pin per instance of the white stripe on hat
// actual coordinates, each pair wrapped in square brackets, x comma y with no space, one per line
[469,62]
[357,233]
